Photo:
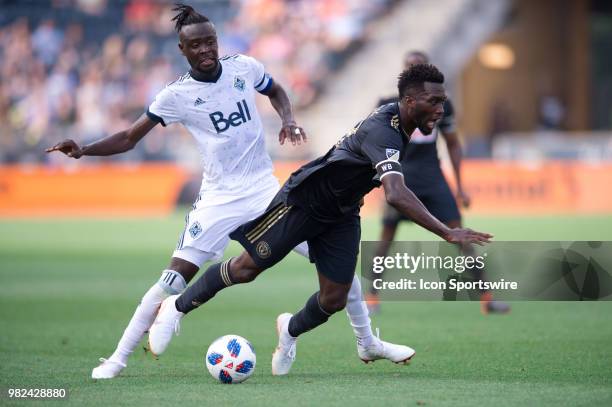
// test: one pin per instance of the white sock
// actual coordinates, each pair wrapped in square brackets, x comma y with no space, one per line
[170,282]
[358,314]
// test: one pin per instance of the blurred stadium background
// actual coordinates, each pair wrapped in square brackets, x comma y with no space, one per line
[81,239]
[534,100]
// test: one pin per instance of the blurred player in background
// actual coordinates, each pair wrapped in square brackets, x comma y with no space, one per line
[423,175]
[215,101]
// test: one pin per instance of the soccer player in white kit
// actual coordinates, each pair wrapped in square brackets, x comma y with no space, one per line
[215,101]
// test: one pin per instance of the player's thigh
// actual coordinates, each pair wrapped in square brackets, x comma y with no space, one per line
[208,225]
[395,217]
[391,216]
[442,204]
[271,236]
[261,200]
[335,250]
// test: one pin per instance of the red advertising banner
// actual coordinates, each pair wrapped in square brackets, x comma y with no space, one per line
[152,189]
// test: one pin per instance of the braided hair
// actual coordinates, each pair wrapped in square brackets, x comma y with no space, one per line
[187,16]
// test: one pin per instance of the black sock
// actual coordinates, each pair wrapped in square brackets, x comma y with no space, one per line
[215,279]
[309,317]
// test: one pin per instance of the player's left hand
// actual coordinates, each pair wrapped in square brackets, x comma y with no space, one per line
[463,198]
[291,131]
[466,235]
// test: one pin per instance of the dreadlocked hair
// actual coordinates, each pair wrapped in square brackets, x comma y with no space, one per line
[416,75]
[187,16]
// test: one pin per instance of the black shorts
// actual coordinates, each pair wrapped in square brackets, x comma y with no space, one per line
[333,247]
[438,200]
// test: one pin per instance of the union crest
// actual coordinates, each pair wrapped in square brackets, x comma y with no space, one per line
[263,249]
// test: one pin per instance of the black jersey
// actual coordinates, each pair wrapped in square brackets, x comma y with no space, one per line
[420,164]
[332,186]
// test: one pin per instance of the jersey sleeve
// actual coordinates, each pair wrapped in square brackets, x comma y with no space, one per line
[447,122]
[164,108]
[383,149]
[262,81]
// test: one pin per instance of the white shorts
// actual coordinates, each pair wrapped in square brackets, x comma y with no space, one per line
[215,216]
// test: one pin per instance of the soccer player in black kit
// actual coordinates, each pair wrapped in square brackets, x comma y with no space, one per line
[320,204]
[423,176]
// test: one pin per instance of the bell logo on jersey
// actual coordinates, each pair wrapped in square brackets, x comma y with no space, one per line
[234,119]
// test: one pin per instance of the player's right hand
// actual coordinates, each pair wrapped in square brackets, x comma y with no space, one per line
[68,147]
[291,131]
[466,235]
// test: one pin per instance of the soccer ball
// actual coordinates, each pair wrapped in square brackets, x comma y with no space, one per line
[231,359]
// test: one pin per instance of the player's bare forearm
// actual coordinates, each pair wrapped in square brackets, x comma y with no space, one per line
[405,201]
[289,130]
[399,196]
[122,141]
[117,143]
[456,154]
[280,102]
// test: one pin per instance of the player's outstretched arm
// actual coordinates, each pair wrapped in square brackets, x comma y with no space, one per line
[290,130]
[118,143]
[455,153]
[405,201]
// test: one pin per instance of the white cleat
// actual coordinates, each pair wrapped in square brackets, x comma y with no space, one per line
[284,355]
[378,349]
[165,326]
[108,369]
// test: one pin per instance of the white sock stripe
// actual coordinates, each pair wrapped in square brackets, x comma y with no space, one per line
[172,282]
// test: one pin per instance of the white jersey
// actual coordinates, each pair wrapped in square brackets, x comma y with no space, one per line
[222,117]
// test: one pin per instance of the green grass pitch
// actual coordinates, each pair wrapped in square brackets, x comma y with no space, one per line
[68,288]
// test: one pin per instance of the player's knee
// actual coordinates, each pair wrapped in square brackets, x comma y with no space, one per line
[242,276]
[172,282]
[243,269]
[333,302]
[189,268]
